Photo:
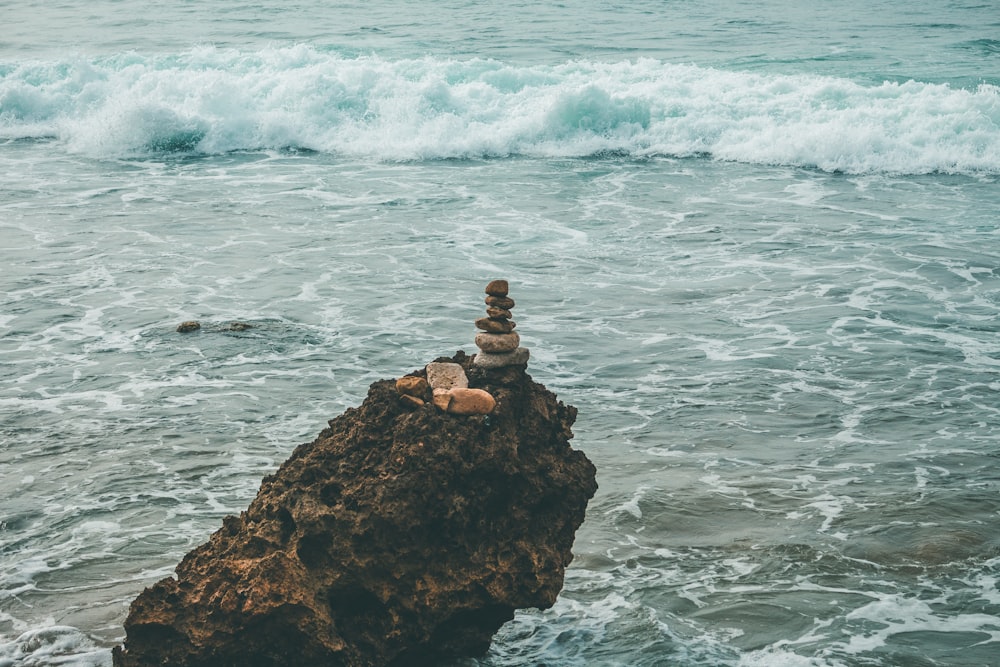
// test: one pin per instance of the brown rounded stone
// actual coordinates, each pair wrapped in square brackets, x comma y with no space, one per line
[188,327]
[471,402]
[495,326]
[412,385]
[498,313]
[490,342]
[504,302]
[442,398]
[497,288]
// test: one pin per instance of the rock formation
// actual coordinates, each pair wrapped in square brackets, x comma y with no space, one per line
[403,535]
[499,344]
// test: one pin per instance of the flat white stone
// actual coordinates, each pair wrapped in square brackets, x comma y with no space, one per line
[446,375]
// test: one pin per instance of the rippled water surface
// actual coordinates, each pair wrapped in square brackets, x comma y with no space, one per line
[756,246]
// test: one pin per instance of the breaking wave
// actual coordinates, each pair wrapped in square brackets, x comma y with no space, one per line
[210,100]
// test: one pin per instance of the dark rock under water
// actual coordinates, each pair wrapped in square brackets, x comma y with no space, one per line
[400,536]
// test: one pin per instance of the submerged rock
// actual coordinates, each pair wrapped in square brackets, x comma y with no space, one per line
[188,326]
[399,536]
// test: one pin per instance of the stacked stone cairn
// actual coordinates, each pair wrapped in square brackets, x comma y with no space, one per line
[498,343]
[447,386]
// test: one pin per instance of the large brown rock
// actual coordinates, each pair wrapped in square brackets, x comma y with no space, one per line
[399,536]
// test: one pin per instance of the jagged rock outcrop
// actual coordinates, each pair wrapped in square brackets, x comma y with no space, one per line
[402,535]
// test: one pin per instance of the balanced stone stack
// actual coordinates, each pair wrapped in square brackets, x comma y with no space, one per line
[498,343]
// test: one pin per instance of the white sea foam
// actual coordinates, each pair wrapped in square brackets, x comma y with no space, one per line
[210,100]
[897,614]
[53,645]
[631,506]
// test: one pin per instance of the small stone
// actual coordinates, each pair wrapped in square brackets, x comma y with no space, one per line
[446,375]
[239,326]
[491,342]
[504,302]
[498,313]
[497,288]
[442,398]
[188,327]
[495,326]
[516,357]
[471,402]
[412,400]
[412,385]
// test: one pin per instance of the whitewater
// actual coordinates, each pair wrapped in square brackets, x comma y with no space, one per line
[214,101]
[754,243]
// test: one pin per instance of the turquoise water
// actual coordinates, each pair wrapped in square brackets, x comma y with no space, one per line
[756,244]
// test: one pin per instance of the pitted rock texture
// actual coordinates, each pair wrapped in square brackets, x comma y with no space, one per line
[400,536]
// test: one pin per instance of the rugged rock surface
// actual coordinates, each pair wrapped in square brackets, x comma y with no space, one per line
[401,536]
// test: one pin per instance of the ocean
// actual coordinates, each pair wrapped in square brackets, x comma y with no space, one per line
[757,244]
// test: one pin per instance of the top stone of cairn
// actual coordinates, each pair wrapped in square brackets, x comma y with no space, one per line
[497,288]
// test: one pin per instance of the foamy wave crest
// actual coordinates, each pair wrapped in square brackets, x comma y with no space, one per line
[211,100]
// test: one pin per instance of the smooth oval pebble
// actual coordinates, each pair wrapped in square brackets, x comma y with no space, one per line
[495,326]
[471,402]
[504,302]
[492,342]
[497,288]
[498,313]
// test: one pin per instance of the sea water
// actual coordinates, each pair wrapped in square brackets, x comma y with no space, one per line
[757,244]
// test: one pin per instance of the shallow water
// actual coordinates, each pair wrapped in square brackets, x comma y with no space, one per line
[759,259]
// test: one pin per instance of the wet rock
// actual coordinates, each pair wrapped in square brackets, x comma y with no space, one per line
[397,537]
[188,327]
